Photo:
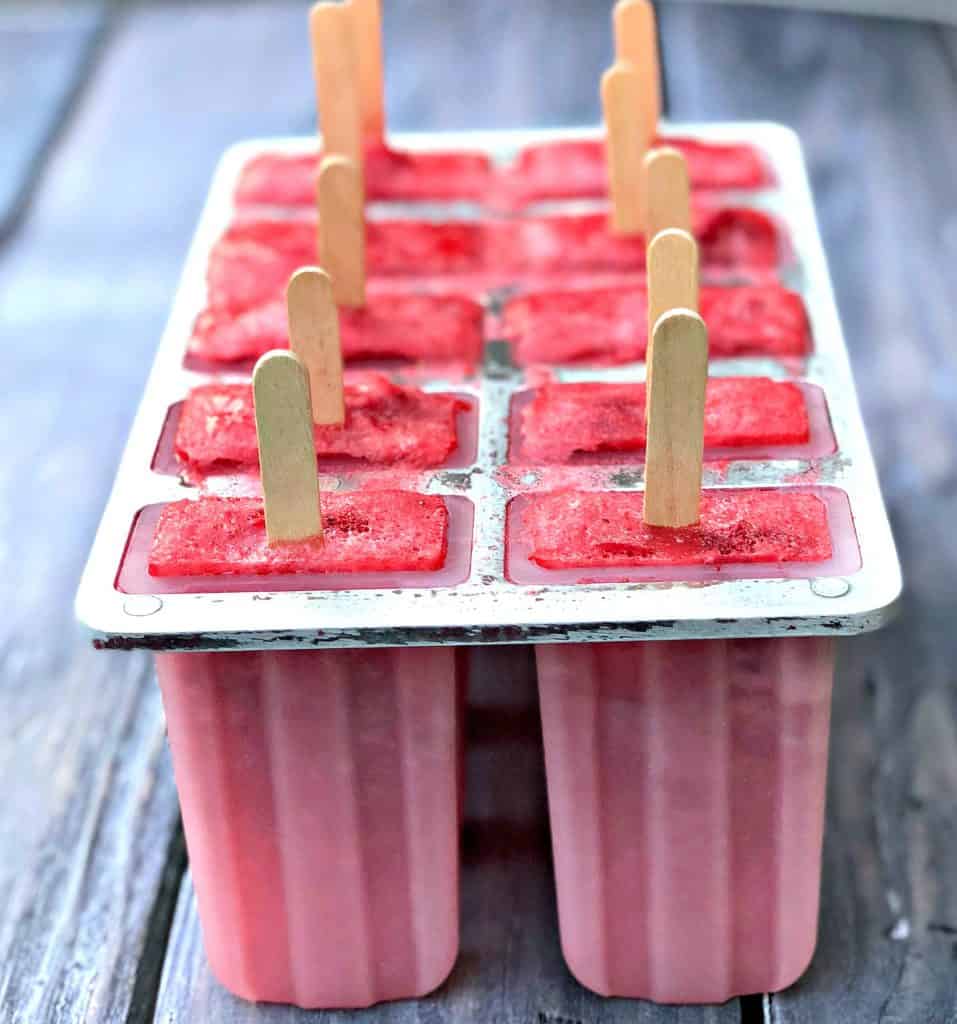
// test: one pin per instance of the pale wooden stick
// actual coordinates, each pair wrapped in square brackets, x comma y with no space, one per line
[335,63]
[342,229]
[626,146]
[287,452]
[676,420]
[672,284]
[672,274]
[636,41]
[367,19]
[314,337]
[666,191]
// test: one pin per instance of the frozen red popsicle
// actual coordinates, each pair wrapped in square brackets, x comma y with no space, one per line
[740,412]
[281,179]
[736,241]
[385,424]
[257,252]
[587,529]
[394,324]
[363,532]
[576,168]
[610,324]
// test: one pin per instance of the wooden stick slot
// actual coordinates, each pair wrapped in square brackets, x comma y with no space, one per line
[667,192]
[626,145]
[342,229]
[335,62]
[287,453]
[367,20]
[636,42]
[676,420]
[314,337]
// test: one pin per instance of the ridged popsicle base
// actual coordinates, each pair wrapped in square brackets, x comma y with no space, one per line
[321,798]
[686,786]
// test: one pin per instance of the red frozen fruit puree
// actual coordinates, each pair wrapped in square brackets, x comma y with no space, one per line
[729,239]
[587,529]
[375,531]
[385,424]
[597,417]
[577,168]
[610,324]
[393,324]
[255,257]
[281,179]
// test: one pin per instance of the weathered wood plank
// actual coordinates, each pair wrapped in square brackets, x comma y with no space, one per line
[942,10]
[45,56]
[883,162]
[539,63]
[88,818]
[510,968]
[89,815]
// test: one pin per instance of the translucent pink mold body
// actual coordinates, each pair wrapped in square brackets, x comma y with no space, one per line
[320,796]
[686,785]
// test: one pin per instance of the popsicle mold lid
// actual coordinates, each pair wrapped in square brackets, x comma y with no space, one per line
[487,607]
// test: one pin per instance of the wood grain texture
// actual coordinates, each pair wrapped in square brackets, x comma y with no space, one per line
[672,283]
[335,63]
[626,143]
[510,969]
[48,52]
[287,454]
[676,420]
[367,18]
[666,191]
[88,818]
[636,41]
[342,229]
[888,937]
[314,337]
[672,275]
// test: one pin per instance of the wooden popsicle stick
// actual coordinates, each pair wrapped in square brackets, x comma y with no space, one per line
[335,63]
[367,19]
[287,452]
[636,42]
[672,284]
[626,146]
[666,191]
[342,229]
[314,337]
[675,447]
[672,274]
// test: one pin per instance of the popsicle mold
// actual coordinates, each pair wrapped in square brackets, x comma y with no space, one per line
[320,793]
[686,787]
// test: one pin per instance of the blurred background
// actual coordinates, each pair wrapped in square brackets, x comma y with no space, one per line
[112,117]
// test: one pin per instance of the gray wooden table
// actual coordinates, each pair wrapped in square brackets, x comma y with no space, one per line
[97,919]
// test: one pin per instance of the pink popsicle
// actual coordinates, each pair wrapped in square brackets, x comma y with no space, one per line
[686,785]
[320,794]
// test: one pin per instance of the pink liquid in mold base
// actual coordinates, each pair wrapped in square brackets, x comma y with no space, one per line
[463,456]
[686,786]
[134,577]
[845,559]
[820,443]
[321,795]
